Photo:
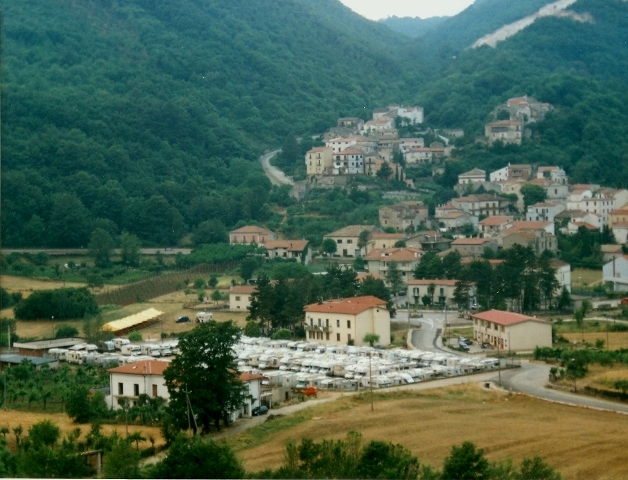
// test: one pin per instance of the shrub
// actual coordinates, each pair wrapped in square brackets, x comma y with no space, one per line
[135,336]
[62,304]
[282,334]
[66,331]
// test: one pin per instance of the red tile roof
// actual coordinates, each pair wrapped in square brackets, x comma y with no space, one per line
[251,229]
[146,367]
[405,254]
[364,275]
[495,221]
[386,236]
[349,306]
[517,226]
[243,289]
[505,318]
[247,377]
[290,245]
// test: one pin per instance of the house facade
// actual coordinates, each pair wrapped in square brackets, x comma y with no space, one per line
[384,240]
[443,292]
[128,382]
[492,226]
[289,249]
[240,297]
[406,259]
[487,205]
[563,274]
[455,220]
[506,131]
[319,161]
[555,174]
[473,247]
[348,162]
[251,234]
[403,216]
[615,273]
[544,211]
[348,320]
[347,239]
[472,176]
[511,331]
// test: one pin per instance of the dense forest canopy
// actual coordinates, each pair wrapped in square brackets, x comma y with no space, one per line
[148,116]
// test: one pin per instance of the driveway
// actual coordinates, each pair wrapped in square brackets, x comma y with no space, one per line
[276,176]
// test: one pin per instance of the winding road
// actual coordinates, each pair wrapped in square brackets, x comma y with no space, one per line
[276,176]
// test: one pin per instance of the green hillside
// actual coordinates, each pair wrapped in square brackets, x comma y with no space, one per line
[148,116]
[413,26]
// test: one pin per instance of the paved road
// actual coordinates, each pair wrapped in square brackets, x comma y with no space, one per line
[276,176]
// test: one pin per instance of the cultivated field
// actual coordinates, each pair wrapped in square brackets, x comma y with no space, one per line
[580,443]
[11,419]
[616,340]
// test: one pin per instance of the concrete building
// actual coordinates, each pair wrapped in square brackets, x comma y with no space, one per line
[403,216]
[251,234]
[431,241]
[10,360]
[443,292]
[615,273]
[492,226]
[472,176]
[383,240]
[455,220]
[39,348]
[473,247]
[287,249]
[500,175]
[478,205]
[407,259]
[620,231]
[347,320]
[555,174]
[407,143]
[617,216]
[347,239]
[506,131]
[544,211]
[538,240]
[348,162]
[240,297]
[319,161]
[509,331]
[134,379]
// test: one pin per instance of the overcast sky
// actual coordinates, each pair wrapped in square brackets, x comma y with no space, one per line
[377,9]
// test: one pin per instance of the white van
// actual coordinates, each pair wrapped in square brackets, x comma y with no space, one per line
[130,350]
[120,342]
[204,317]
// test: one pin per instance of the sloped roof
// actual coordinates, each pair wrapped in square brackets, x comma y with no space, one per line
[350,306]
[470,241]
[364,275]
[243,289]
[320,149]
[290,245]
[351,231]
[145,367]
[447,283]
[517,226]
[474,172]
[132,320]
[386,236]
[495,220]
[405,254]
[505,318]
[248,377]
[251,229]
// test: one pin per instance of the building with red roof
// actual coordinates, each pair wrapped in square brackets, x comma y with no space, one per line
[240,297]
[406,258]
[251,234]
[347,320]
[511,331]
[289,249]
[130,381]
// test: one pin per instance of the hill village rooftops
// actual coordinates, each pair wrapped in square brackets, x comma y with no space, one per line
[495,221]
[471,241]
[351,231]
[364,275]
[586,225]
[146,367]
[349,306]
[518,226]
[394,254]
[474,172]
[243,289]
[251,229]
[386,236]
[290,245]
[505,318]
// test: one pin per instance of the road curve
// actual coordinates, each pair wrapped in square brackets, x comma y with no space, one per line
[276,176]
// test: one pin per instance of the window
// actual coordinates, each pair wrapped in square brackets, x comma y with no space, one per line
[337,337]
[319,322]
[136,389]
[327,336]
[339,240]
[349,337]
[327,322]
[350,241]
[237,299]
[154,391]
[338,325]
[348,323]
[120,388]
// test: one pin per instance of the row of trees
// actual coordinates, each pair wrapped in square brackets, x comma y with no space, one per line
[522,280]
[60,304]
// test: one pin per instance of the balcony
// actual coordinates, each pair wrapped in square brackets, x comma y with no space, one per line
[317,328]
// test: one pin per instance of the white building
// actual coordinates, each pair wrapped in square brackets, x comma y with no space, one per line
[443,293]
[240,297]
[347,320]
[339,144]
[511,331]
[347,240]
[500,175]
[414,115]
[298,250]
[555,174]
[473,176]
[563,274]
[407,143]
[348,162]
[134,379]
[615,272]
[406,259]
[544,211]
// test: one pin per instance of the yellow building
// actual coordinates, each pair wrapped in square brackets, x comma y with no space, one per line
[347,320]
[511,331]
[319,161]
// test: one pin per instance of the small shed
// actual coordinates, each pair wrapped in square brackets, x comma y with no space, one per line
[13,360]
[41,347]
[133,322]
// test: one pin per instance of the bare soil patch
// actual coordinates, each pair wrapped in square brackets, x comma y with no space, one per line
[12,418]
[584,277]
[580,443]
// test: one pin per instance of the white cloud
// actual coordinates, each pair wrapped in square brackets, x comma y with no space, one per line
[377,9]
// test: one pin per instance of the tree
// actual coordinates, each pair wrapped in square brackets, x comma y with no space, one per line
[213,281]
[564,301]
[122,460]
[465,462]
[216,296]
[210,231]
[94,281]
[251,329]
[532,194]
[329,246]
[77,404]
[363,239]
[199,458]
[66,331]
[130,249]
[100,247]
[248,267]
[394,277]
[371,339]
[384,172]
[135,336]
[205,359]
[282,334]
[536,469]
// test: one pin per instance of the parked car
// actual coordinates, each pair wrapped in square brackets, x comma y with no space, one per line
[261,410]
[416,315]
[463,340]
[463,346]
[182,319]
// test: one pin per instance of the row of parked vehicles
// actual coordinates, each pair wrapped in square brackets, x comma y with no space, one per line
[118,350]
[341,367]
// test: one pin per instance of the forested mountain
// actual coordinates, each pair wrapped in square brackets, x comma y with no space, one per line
[413,26]
[148,115]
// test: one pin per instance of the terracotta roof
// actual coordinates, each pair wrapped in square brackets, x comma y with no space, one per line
[554,262]
[243,289]
[493,261]
[386,236]
[351,231]
[495,221]
[350,306]
[350,152]
[447,283]
[454,215]
[517,226]
[364,275]
[251,229]
[474,172]
[470,241]
[247,377]
[146,367]
[586,225]
[610,248]
[620,225]
[620,211]
[290,245]
[548,169]
[516,101]
[405,254]
[505,318]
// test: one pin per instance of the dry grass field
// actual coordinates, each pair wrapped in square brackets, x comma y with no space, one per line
[616,340]
[584,277]
[11,419]
[580,443]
